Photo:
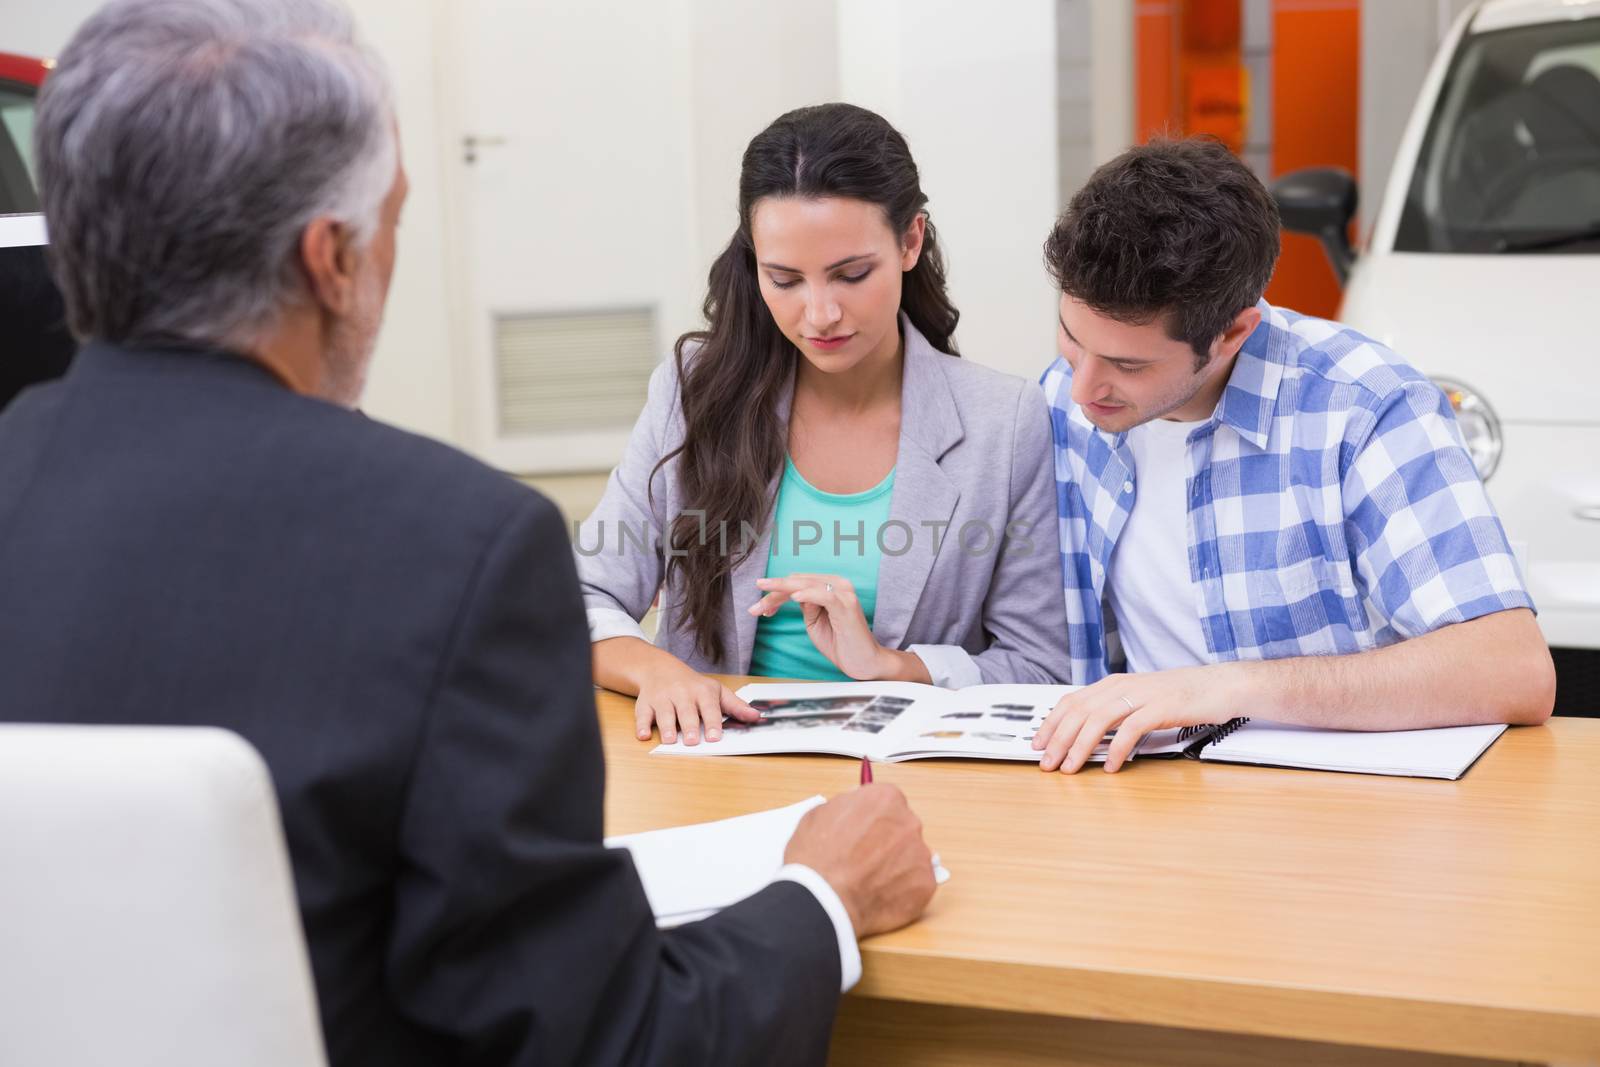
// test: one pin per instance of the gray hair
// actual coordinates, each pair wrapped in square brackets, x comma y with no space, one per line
[183,148]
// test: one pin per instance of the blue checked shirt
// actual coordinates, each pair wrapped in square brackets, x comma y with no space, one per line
[1332,506]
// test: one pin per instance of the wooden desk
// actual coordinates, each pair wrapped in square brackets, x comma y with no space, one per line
[1191,913]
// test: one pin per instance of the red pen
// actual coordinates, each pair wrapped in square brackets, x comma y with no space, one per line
[866,771]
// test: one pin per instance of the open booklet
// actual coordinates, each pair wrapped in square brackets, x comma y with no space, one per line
[893,721]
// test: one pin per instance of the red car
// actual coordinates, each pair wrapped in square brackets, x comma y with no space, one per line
[20,78]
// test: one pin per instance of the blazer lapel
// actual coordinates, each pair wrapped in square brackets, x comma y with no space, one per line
[924,496]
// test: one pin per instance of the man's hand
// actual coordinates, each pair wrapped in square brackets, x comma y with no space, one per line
[1494,668]
[868,845]
[1134,705]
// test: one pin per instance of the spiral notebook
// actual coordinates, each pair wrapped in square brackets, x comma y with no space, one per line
[1446,752]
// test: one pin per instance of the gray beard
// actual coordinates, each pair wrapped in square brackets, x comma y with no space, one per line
[350,350]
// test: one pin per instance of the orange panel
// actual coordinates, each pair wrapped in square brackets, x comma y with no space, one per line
[1211,71]
[1316,100]
[1155,44]
[1211,25]
[1190,80]
[1213,100]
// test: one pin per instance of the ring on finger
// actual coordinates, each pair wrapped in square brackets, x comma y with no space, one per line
[827,587]
[1128,702]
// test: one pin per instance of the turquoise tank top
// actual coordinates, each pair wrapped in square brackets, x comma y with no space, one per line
[818,533]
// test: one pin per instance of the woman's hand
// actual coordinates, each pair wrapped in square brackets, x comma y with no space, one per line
[838,627]
[678,699]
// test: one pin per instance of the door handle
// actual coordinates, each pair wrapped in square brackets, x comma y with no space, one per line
[471,143]
[1591,513]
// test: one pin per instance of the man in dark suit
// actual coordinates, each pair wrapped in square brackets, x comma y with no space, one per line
[195,527]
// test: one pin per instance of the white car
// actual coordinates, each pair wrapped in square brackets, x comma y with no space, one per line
[1483,271]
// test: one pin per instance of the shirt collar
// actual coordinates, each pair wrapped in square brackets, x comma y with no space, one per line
[98,358]
[1252,392]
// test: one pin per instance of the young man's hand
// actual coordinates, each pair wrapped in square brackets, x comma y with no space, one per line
[1134,705]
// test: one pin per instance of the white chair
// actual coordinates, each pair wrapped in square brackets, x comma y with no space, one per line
[147,914]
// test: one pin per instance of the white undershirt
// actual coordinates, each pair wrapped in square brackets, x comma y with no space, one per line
[1148,581]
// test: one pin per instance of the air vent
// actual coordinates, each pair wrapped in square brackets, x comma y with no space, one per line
[565,371]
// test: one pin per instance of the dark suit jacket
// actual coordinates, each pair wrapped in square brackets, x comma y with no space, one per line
[398,630]
[35,345]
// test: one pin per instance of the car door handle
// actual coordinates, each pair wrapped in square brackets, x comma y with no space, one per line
[1592,513]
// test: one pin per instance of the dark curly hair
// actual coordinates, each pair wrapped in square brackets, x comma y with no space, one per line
[1175,229]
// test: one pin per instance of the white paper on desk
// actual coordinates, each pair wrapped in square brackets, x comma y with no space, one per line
[690,872]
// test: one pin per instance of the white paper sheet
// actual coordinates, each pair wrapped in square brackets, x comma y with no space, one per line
[690,872]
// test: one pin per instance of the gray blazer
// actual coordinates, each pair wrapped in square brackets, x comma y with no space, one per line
[975,465]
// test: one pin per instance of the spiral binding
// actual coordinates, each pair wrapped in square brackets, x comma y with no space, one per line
[1215,734]
[1227,728]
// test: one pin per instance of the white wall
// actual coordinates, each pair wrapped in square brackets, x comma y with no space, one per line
[1111,68]
[973,88]
[685,84]
[751,63]
[40,28]
[997,125]
[1095,79]
[1076,91]
[412,380]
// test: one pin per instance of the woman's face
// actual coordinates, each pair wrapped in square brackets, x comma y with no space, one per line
[830,272]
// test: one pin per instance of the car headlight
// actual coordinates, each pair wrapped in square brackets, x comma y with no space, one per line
[1480,426]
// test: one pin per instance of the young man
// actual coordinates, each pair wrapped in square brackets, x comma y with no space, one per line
[1274,514]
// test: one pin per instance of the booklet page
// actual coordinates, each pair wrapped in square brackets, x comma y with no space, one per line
[985,721]
[845,718]
[1000,721]
[893,721]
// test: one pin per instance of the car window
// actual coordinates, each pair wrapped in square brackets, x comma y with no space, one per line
[1586,55]
[1511,159]
[17,180]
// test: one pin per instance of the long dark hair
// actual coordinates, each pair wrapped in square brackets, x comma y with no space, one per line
[733,444]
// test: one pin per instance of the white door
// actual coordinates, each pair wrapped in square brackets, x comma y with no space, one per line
[566,127]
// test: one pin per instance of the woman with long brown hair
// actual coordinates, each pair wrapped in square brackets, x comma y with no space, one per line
[818,487]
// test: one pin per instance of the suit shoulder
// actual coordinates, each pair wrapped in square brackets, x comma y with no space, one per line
[433,483]
[994,395]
